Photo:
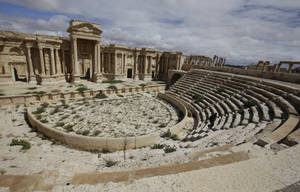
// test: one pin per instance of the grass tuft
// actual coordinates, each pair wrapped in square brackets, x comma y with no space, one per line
[25,144]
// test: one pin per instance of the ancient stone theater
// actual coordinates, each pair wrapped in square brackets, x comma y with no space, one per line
[78,115]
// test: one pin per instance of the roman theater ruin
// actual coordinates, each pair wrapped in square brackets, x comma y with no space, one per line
[79,115]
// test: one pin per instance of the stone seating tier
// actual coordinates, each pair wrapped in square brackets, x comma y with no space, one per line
[275,101]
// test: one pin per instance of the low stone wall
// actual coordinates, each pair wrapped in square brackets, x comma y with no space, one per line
[179,126]
[112,144]
[281,76]
[27,99]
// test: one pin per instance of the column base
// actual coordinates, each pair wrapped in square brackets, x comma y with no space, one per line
[75,78]
[32,80]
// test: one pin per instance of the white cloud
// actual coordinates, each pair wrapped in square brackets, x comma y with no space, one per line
[243,31]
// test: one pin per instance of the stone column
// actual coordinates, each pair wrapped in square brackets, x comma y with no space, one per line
[42,61]
[63,60]
[290,68]
[274,68]
[95,63]
[149,64]
[30,66]
[52,67]
[75,57]
[58,64]
[135,70]
[145,64]
[102,62]
[115,63]
[278,67]
[99,58]
[124,62]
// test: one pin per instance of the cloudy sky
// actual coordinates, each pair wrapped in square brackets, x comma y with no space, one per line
[243,31]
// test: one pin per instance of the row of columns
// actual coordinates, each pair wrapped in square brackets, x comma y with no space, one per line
[54,61]
[277,67]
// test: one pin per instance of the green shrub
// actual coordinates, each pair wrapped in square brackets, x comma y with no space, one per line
[162,125]
[38,116]
[220,89]
[174,137]
[66,106]
[197,98]
[73,112]
[96,132]
[86,132]
[112,81]
[169,149]
[45,105]
[100,96]
[25,144]
[44,121]
[155,121]
[158,146]
[142,84]
[250,103]
[40,92]
[39,110]
[2,94]
[110,163]
[32,88]
[59,124]
[68,128]
[55,91]
[112,87]
[120,95]
[105,151]
[82,89]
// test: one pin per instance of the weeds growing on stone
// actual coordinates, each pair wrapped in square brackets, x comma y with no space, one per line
[169,149]
[197,98]
[112,87]
[142,84]
[44,121]
[110,163]
[100,96]
[174,137]
[220,89]
[45,105]
[250,103]
[96,132]
[162,125]
[25,144]
[86,132]
[112,81]
[39,110]
[82,89]
[68,128]
[59,124]
[158,146]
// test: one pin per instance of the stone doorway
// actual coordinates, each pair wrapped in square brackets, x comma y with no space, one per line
[129,73]
[17,77]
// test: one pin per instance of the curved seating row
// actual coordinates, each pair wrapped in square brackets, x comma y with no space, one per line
[239,100]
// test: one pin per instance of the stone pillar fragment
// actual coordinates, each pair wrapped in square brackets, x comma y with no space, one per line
[52,64]
[30,66]
[42,61]
[57,60]
[290,68]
